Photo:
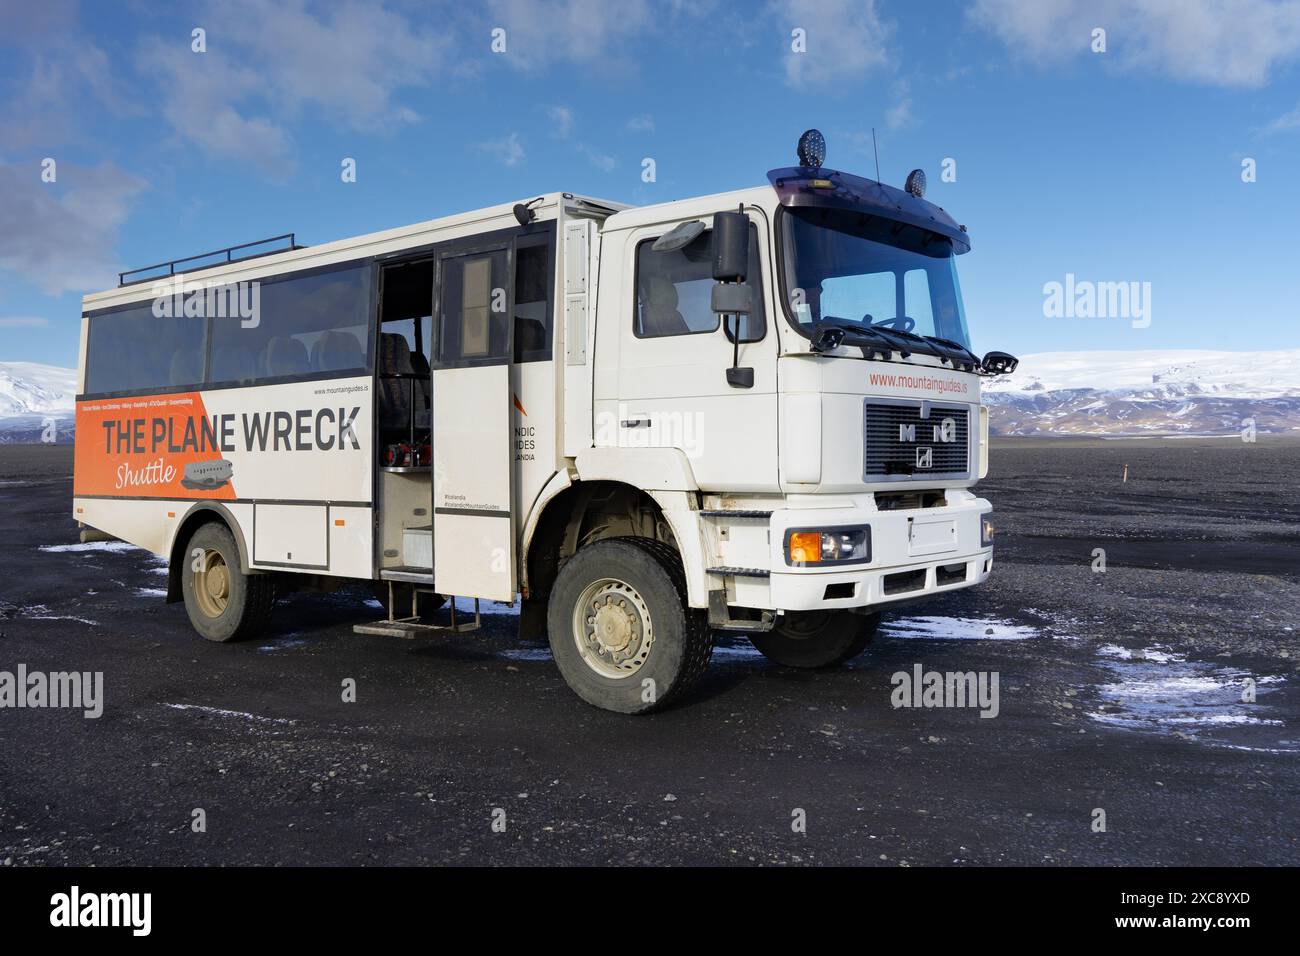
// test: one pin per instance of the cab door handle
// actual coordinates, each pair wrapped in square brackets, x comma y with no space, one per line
[635,423]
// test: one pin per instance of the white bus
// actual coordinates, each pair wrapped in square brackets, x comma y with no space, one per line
[755,411]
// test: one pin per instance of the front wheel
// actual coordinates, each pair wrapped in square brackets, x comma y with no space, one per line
[621,632]
[811,639]
[223,603]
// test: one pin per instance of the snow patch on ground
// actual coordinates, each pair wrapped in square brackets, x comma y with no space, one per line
[1158,691]
[526,654]
[41,612]
[89,546]
[958,629]
[220,712]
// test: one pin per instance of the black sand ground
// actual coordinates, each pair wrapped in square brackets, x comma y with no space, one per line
[1122,695]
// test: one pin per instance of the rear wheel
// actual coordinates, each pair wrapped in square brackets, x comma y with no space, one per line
[621,632]
[223,603]
[816,638]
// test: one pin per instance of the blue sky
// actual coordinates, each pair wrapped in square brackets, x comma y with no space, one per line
[1124,165]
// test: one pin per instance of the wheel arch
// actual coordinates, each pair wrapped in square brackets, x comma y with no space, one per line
[571,513]
[205,512]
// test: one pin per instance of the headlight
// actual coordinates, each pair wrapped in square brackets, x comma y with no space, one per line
[831,546]
[986,531]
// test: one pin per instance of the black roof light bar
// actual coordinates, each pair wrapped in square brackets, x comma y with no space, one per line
[228,252]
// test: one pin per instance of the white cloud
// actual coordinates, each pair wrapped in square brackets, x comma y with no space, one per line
[268,61]
[601,161]
[509,150]
[23,322]
[845,39]
[645,123]
[1214,42]
[562,117]
[60,236]
[1285,122]
[899,115]
[539,32]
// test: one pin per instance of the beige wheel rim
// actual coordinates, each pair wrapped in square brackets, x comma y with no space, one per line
[212,584]
[612,628]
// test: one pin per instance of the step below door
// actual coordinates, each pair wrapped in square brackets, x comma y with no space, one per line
[473,528]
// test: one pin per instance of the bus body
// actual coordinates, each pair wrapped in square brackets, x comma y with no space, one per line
[753,411]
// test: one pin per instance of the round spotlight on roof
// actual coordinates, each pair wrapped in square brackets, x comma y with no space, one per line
[915,183]
[812,148]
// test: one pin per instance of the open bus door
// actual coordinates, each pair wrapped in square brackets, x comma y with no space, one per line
[473,473]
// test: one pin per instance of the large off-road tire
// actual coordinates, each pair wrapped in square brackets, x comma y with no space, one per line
[223,603]
[429,602]
[620,629]
[816,638]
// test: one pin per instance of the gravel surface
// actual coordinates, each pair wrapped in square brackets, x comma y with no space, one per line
[1119,692]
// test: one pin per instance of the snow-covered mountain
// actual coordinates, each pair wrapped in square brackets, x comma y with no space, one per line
[1153,392]
[30,395]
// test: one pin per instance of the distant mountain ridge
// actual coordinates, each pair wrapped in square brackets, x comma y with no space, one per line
[1148,392]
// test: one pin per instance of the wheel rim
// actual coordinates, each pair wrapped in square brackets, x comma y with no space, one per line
[804,626]
[212,584]
[612,628]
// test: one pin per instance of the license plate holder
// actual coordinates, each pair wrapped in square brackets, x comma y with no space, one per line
[931,536]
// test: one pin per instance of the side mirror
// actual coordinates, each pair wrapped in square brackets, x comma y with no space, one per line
[999,363]
[733,298]
[730,246]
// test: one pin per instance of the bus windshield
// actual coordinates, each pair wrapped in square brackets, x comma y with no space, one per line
[854,269]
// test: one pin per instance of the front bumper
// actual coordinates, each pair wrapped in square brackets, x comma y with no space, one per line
[914,553]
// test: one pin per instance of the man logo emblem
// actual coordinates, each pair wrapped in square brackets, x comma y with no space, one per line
[925,457]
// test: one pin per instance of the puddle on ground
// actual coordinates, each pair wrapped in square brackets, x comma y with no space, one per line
[957,629]
[1159,691]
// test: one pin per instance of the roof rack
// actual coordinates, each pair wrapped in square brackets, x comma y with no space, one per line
[228,252]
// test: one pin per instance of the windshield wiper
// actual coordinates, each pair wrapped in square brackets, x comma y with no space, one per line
[974,359]
[946,353]
[827,336]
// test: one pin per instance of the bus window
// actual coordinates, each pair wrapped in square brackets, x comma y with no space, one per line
[473,329]
[315,323]
[132,349]
[533,278]
[407,305]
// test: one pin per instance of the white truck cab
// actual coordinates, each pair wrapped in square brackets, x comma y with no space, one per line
[756,412]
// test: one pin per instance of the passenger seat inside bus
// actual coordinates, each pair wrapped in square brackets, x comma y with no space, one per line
[395,409]
[336,351]
[285,355]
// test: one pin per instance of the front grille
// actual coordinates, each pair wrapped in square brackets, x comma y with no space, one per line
[899,443]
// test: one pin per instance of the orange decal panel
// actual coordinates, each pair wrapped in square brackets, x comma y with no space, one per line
[154,446]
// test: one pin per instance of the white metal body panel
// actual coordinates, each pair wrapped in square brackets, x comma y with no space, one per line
[672,391]
[290,536]
[473,526]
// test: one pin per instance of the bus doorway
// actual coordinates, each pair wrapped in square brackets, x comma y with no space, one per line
[403,439]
